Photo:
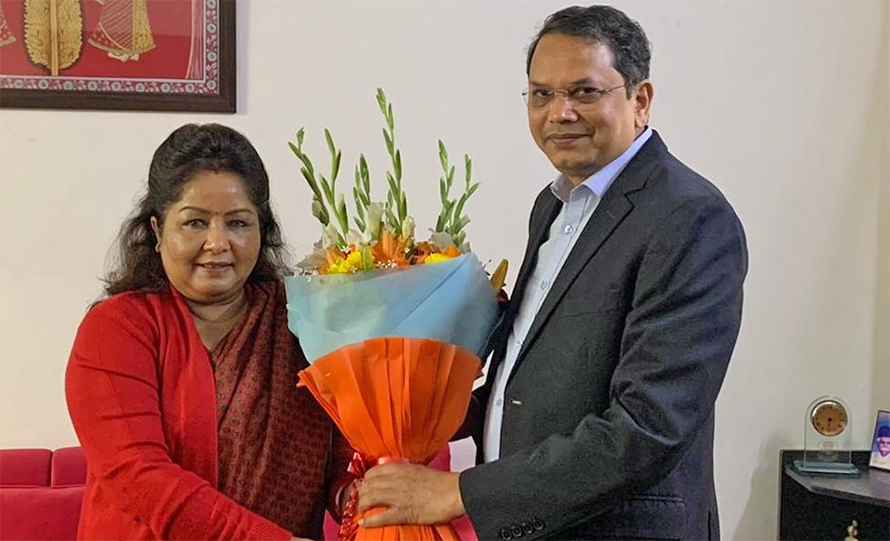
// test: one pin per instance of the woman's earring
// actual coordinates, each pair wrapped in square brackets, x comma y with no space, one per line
[158,247]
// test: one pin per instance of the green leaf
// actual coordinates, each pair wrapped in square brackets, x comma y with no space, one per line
[393,189]
[451,176]
[330,141]
[472,190]
[363,164]
[300,134]
[335,167]
[449,208]
[443,156]
[443,192]
[398,164]
[341,214]
[311,181]
[393,223]
[460,205]
[469,167]
[403,206]
[322,214]
[359,204]
[329,195]
[304,159]
[389,143]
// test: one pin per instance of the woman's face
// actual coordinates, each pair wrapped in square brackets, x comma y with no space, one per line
[209,240]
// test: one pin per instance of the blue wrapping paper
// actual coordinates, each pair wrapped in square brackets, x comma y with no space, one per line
[450,301]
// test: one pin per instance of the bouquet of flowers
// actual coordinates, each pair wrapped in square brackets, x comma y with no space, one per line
[392,328]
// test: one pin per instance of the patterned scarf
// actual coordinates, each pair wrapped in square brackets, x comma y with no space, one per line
[274,440]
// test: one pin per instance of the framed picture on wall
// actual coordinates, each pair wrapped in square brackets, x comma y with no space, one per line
[880,445]
[161,55]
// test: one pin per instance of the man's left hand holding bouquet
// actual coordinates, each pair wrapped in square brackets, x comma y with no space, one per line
[393,330]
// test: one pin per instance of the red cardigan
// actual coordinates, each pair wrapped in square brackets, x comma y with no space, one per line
[142,398]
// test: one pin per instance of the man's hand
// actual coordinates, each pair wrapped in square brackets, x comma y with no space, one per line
[413,494]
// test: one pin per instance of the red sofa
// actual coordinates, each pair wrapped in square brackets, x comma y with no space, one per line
[41,492]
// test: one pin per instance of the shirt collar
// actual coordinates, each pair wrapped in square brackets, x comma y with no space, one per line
[600,181]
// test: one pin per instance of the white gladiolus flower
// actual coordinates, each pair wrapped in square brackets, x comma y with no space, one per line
[375,219]
[330,235]
[408,227]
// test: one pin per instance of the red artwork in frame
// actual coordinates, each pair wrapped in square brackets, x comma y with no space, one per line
[163,55]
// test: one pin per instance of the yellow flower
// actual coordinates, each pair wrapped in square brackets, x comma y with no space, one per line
[435,258]
[354,260]
[450,253]
[351,263]
[337,267]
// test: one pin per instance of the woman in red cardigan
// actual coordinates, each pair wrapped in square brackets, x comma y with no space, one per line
[182,382]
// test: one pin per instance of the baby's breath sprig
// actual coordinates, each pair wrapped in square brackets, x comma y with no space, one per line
[325,199]
[396,201]
[451,219]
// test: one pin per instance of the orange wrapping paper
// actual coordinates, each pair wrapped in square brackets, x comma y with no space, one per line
[399,398]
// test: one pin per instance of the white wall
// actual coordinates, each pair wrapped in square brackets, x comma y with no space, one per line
[782,104]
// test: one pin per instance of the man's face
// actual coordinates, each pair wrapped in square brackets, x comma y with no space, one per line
[579,139]
[884,445]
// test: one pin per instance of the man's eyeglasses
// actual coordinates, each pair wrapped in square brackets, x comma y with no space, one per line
[540,98]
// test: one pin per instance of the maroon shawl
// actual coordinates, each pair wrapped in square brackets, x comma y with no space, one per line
[279,454]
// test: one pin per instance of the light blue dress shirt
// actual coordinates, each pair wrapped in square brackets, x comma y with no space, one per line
[578,205]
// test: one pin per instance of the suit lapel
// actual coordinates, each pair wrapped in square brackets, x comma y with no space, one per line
[545,211]
[608,215]
[605,219]
[550,207]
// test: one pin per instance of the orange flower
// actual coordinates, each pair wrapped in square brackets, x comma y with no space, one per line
[451,251]
[390,249]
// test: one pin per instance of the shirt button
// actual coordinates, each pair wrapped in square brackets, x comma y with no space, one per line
[569,229]
[498,402]
[544,284]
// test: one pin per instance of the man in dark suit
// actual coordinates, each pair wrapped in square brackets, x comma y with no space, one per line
[599,407]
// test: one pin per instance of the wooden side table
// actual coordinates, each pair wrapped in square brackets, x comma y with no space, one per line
[822,507]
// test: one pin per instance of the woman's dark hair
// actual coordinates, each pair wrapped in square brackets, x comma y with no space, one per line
[623,36]
[189,150]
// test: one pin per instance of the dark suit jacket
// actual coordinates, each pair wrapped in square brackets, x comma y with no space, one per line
[608,425]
